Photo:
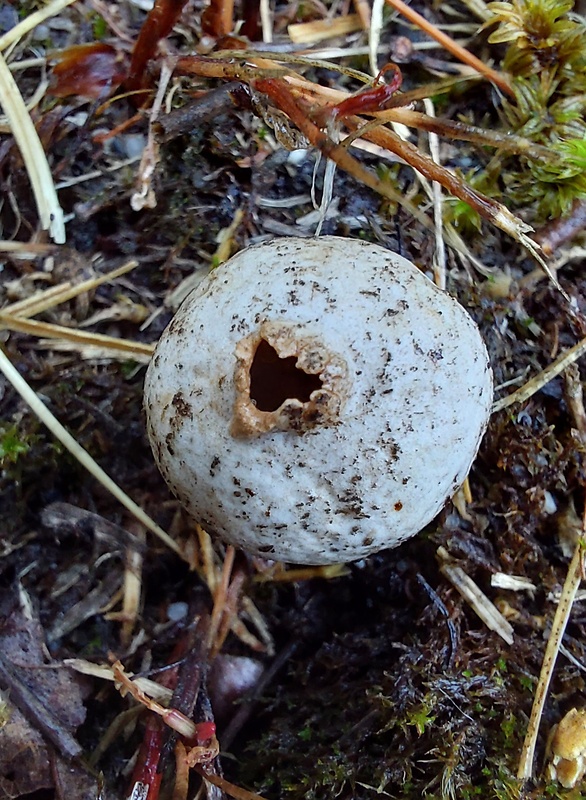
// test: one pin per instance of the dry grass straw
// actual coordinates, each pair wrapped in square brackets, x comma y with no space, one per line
[35,160]
[23,129]
[78,452]
[474,596]
[31,21]
[536,383]
[15,317]
[560,621]
[320,29]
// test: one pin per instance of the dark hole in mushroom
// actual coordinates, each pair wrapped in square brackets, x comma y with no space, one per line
[274,380]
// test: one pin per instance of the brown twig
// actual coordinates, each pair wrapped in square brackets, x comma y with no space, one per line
[218,18]
[562,230]
[157,26]
[230,788]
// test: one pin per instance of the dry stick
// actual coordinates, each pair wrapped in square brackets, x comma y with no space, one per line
[558,628]
[78,452]
[451,46]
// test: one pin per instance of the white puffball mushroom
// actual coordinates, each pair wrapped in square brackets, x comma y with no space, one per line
[317,400]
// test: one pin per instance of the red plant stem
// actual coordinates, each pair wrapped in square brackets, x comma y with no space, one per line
[277,90]
[463,55]
[218,18]
[486,207]
[562,230]
[148,770]
[370,100]
[158,24]
[284,98]
[149,756]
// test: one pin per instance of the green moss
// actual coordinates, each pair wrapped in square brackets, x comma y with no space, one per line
[546,58]
[99,27]
[13,445]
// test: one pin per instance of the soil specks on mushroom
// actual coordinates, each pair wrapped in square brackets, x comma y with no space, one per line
[318,361]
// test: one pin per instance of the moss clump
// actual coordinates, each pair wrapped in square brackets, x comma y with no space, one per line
[364,715]
[546,57]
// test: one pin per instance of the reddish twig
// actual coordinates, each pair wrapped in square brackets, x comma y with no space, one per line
[158,24]
[368,101]
[147,776]
[217,19]
[562,230]
[278,91]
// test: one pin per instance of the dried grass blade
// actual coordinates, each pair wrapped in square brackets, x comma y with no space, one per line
[37,167]
[539,381]
[31,21]
[79,338]
[558,627]
[77,451]
[474,596]
[55,295]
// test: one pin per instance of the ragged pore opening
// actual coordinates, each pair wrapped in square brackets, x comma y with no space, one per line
[274,380]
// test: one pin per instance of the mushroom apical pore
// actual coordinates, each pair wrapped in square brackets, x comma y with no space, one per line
[317,400]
